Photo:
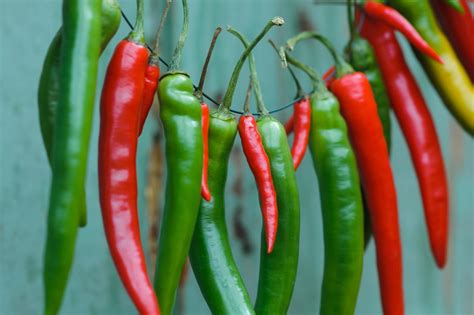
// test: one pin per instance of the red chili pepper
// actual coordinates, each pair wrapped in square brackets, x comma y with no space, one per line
[260,167]
[419,131]
[205,193]
[328,78]
[394,19]
[152,75]
[459,28]
[366,133]
[122,96]
[302,125]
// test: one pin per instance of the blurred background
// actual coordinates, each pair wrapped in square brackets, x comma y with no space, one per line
[27,27]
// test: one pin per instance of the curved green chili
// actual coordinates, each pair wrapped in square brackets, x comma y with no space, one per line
[341,201]
[210,252]
[80,49]
[278,269]
[48,90]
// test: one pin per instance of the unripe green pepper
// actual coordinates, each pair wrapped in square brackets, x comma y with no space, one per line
[48,90]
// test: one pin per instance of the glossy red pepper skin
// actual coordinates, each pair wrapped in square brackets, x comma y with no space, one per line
[302,125]
[152,76]
[260,167]
[359,109]
[459,28]
[419,130]
[122,97]
[205,193]
[398,22]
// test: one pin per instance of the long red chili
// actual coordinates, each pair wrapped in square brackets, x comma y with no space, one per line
[459,28]
[122,96]
[366,133]
[260,167]
[419,131]
[205,193]
[359,109]
[394,19]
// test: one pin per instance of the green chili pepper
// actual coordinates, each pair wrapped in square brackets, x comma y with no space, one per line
[210,253]
[180,113]
[341,201]
[48,90]
[80,49]
[278,269]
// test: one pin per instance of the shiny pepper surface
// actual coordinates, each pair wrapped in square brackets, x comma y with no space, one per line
[48,90]
[180,113]
[366,133]
[335,165]
[210,254]
[277,272]
[449,78]
[80,50]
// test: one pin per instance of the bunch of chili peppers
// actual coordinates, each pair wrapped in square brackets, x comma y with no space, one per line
[344,121]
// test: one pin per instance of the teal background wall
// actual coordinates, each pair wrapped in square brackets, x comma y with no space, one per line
[26,28]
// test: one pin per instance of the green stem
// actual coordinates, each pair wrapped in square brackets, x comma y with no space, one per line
[318,83]
[299,89]
[176,59]
[342,67]
[350,19]
[198,92]
[229,94]
[262,109]
[156,45]
[247,97]
[138,33]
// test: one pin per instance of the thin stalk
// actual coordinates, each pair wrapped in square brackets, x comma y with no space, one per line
[176,59]
[229,94]
[247,97]
[342,67]
[198,92]
[350,19]
[299,89]
[138,33]
[318,83]
[262,109]
[156,44]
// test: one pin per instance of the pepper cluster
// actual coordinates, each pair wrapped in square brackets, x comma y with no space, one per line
[344,121]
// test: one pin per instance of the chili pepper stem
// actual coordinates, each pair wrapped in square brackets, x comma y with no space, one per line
[262,109]
[198,92]
[247,97]
[342,67]
[176,59]
[138,33]
[156,46]
[299,90]
[227,102]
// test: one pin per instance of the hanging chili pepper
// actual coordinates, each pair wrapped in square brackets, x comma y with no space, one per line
[152,73]
[48,90]
[341,203]
[395,20]
[80,50]
[302,115]
[180,113]
[450,78]
[205,193]
[419,130]
[459,28]
[359,109]
[277,273]
[260,166]
[122,96]
[210,252]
